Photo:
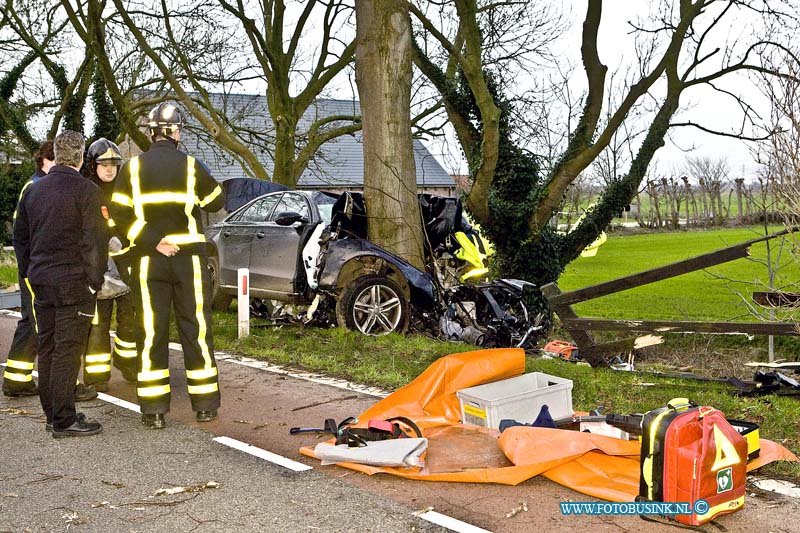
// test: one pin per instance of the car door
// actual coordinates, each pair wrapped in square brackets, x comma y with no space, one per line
[236,235]
[274,254]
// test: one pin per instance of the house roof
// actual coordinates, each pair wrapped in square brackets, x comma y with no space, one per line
[339,163]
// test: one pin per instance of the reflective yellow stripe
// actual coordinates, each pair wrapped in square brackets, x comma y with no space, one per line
[201,374]
[185,238]
[111,223]
[96,317]
[203,389]
[191,180]
[121,252]
[136,228]
[731,505]
[201,319]
[97,369]
[136,195]
[27,184]
[18,377]
[98,358]
[22,365]
[125,354]
[126,344]
[33,301]
[149,392]
[164,198]
[147,310]
[152,375]
[119,198]
[210,198]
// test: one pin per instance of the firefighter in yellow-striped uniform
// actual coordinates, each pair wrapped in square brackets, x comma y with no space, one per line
[156,204]
[103,160]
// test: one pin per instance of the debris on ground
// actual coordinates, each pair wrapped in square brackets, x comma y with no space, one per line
[200,487]
[522,507]
[15,412]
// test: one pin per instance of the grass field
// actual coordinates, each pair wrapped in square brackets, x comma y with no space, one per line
[701,295]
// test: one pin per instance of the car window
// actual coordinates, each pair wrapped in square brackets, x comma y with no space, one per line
[259,211]
[324,205]
[291,202]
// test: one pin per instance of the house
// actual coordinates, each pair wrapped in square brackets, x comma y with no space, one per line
[339,163]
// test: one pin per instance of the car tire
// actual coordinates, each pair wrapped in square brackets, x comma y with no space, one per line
[219,300]
[356,307]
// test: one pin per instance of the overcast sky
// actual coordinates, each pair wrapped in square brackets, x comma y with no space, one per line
[705,105]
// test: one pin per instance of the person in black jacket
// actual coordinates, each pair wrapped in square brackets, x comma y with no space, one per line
[61,241]
[103,160]
[156,205]
[18,376]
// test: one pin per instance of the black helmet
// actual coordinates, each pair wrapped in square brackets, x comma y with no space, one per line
[105,152]
[164,119]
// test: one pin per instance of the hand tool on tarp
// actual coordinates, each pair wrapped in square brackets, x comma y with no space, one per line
[629,423]
[377,430]
[330,427]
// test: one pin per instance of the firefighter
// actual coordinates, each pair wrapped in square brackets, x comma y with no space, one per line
[61,242]
[103,161]
[18,376]
[156,205]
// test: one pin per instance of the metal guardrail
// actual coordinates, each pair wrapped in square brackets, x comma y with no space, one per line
[10,299]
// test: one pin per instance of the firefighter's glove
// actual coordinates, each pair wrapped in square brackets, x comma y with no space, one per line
[114,245]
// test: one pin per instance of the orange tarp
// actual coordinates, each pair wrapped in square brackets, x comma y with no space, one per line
[596,465]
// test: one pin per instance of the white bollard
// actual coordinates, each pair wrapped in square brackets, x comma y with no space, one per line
[243,302]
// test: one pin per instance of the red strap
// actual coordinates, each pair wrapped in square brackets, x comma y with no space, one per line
[381,425]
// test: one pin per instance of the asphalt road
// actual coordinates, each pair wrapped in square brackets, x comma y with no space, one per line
[109,482]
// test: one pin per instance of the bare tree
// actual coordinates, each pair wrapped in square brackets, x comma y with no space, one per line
[36,84]
[677,49]
[196,48]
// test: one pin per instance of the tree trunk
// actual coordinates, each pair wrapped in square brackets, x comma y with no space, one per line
[383,76]
[739,200]
[689,199]
[704,197]
[285,137]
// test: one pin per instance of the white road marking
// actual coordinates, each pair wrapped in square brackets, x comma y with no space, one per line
[451,523]
[119,402]
[779,486]
[263,454]
[306,376]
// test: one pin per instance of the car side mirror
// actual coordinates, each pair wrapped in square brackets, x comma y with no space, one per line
[287,218]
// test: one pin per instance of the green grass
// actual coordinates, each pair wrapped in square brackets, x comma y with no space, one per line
[388,362]
[694,296]
[8,269]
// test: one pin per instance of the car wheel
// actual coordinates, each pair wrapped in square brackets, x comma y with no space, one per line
[219,300]
[373,305]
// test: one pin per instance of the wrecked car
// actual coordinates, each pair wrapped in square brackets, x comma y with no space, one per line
[309,257]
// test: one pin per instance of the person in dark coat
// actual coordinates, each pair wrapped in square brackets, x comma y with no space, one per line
[18,376]
[61,241]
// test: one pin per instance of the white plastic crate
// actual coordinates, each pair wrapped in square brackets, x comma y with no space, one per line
[519,398]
